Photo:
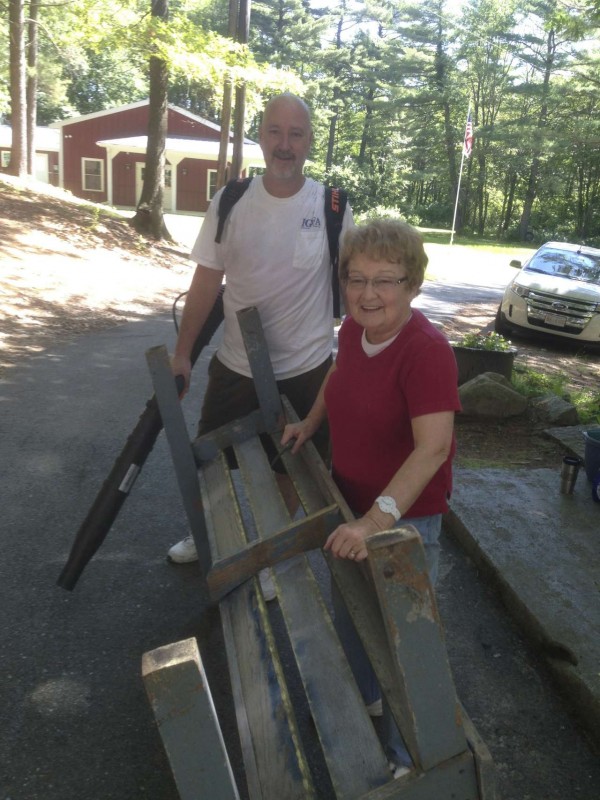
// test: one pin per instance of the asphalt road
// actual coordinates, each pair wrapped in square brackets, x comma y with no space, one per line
[75,719]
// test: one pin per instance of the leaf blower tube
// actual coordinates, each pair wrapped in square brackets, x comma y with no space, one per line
[125,470]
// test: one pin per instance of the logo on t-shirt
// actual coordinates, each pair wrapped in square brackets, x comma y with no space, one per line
[308,223]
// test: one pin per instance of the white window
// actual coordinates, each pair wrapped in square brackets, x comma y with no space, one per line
[211,183]
[92,174]
[5,158]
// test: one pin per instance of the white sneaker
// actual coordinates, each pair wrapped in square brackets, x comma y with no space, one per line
[265,578]
[375,709]
[184,552]
[398,770]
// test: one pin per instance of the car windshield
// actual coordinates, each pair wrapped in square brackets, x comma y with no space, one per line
[567,264]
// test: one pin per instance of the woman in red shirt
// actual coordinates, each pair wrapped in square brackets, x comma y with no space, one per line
[390,399]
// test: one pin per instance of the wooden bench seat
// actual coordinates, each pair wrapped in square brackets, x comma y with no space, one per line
[243,518]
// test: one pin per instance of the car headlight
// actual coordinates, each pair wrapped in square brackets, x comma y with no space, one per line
[522,291]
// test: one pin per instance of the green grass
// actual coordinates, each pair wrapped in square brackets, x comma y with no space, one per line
[444,257]
[531,383]
[587,404]
[484,244]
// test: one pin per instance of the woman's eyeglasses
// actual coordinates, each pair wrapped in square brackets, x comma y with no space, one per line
[355,284]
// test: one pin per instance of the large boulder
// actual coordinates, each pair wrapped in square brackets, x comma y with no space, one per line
[491,396]
[553,410]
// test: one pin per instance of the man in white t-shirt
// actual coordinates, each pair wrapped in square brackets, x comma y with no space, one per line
[275,254]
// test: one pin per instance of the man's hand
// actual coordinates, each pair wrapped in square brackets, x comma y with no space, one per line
[181,365]
[300,431]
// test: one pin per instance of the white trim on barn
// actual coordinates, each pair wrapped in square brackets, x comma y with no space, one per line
[176,149]
[45,141]
[45,138]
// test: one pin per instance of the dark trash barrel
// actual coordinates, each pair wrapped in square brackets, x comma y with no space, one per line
[472,361]
[591,457]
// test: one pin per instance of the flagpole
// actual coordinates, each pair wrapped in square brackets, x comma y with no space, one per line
[462,161]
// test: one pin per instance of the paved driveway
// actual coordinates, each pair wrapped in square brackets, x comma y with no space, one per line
[75,722]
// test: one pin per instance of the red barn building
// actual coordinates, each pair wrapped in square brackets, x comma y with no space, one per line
[45,144]
[102,157]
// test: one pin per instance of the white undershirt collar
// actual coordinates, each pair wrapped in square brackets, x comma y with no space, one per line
[371,350]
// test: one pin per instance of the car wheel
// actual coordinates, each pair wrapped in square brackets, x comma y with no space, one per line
[500,325]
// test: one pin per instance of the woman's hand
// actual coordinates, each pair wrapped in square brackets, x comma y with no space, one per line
[300,431]
[348,540]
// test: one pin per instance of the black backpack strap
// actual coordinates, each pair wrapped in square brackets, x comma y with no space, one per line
[232,192]
[335,206]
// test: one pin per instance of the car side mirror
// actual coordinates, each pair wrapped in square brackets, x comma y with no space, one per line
[516,263]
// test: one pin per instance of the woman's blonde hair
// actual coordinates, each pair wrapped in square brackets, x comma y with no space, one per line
[388,240]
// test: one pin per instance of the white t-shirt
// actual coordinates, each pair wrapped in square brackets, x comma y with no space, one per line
[275,256]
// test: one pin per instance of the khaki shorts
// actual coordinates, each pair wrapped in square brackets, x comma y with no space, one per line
[230,396]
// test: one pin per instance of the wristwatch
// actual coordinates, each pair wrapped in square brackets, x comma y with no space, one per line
[388,505]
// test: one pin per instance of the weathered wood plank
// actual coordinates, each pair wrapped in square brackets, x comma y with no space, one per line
[357,588]
[261,367]
[307,467]
[179,445]
[356,763]
[484,765]
[451,780]
[415,638]
[208,446]
[187,721]
[308,533]
[355,584]
[273,757]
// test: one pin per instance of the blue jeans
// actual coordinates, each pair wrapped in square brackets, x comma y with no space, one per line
[429,529]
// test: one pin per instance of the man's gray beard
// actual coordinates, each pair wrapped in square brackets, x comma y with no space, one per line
[280,171]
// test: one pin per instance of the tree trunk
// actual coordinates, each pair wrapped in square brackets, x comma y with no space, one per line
[226,109]
[18,102]
[481,210]
[510,201]
[224,138]
[331,140]
[532,181]
[449,139]
[240,96]
[364,142]
[148,218]
[31,84]
[529,199]
[336,94]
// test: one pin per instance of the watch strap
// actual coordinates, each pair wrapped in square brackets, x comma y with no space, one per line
[388,505]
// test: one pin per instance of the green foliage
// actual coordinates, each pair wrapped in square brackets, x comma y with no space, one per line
[485,341]
[587,403]
[531,383]
[105,79]
[389,84]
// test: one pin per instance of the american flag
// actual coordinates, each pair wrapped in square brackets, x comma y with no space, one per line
[468,143]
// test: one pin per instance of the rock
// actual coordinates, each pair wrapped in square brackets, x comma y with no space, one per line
[490,395]
[554,410]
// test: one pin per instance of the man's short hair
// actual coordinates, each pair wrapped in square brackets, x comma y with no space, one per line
[286,96]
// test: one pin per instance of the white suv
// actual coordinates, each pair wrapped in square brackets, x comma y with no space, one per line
[556,291]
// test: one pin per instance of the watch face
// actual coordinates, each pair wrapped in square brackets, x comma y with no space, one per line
[388,506]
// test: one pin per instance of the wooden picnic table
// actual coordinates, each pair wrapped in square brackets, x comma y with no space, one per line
[240,523]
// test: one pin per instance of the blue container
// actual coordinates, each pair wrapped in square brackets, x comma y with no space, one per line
[592,453]
[596,488]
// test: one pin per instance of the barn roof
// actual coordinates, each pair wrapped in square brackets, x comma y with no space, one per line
[186,147]
[45,138]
